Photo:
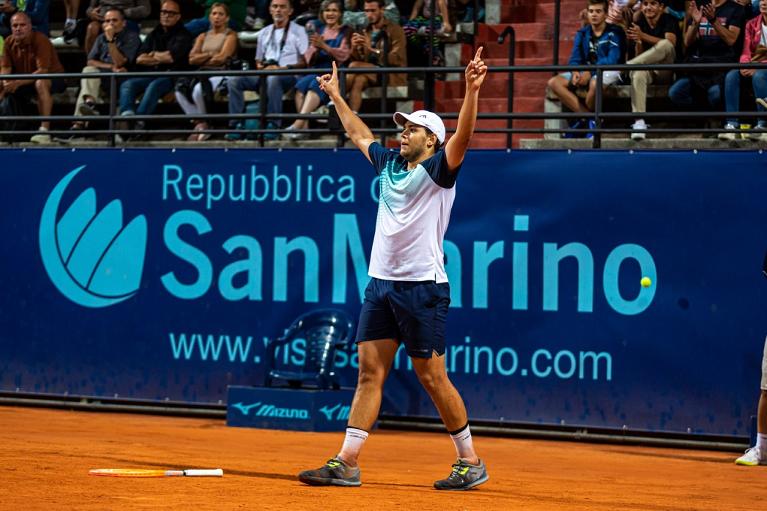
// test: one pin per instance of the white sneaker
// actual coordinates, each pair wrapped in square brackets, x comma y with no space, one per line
[751,458]
[290,133]
[730,132]
[639,128]
[41,138]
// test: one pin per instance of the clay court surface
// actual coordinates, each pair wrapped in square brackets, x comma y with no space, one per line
[46,454]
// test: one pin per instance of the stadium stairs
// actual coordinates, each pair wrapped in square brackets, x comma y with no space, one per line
[533,22]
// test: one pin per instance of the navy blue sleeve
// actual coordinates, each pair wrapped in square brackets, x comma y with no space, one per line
[379,156]
[576,57]
[437,168]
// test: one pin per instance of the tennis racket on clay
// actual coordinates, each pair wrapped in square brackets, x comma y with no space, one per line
[144,472]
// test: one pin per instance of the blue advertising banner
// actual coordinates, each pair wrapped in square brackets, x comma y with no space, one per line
[159,274]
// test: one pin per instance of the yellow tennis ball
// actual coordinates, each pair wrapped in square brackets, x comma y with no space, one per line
[646,282]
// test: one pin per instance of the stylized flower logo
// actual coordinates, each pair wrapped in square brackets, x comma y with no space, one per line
[89,256]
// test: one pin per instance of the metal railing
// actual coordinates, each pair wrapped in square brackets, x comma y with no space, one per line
[383,119]
[555,36]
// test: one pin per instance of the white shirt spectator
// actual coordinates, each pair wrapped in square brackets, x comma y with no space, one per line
[274,45]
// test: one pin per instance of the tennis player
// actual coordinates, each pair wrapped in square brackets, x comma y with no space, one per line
[407,298]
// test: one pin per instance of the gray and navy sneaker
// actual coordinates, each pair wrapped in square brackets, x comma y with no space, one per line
[464,476]
[333,473]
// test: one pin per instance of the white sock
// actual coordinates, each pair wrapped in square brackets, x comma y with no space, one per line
[350,451]
[761,444]
[70,21]
[464,446]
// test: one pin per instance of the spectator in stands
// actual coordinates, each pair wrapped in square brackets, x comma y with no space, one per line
[382,43]
[596,43]
[133,11]
[711,36]
[114,50]
[754,50]
[166,48]
[71,8]
[281,45]
[329,41]
[751,7]
[238,9]
[655,36]
[30,52]
[257,15]
[465,11]
[417,29]
[355,19]
[211,51]
[37,10]
[307,10]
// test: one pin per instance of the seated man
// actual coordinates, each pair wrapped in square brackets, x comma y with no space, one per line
[281,45]
[237,13]
[133,11]
[30,52]
[368,51]
[166,48]
[37,10]
[596,43]
[711,37]
[113,51]
[655,36]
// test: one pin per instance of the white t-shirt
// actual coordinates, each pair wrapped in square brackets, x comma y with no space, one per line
[413,214]
[270,45]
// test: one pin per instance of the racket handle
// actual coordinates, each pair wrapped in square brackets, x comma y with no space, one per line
[199,472]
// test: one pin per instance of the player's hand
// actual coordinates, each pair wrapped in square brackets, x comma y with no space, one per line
[329,82]
[476,71]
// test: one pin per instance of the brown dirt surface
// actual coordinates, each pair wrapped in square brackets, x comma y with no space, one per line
[46,455]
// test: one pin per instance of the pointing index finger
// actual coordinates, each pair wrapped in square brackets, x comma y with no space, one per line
[478,54]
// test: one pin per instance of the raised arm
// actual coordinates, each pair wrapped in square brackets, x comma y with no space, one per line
[358,132]
[456,147]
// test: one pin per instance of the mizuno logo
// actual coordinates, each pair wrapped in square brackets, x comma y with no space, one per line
[338,412]
[269,410]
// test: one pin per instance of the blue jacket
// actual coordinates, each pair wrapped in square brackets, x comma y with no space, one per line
[611,46]
[37,11]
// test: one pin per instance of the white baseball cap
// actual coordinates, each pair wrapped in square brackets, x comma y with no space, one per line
[424,118]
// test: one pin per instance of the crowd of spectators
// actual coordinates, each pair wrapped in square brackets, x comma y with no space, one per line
[667,32]
[291,34]
[299,34]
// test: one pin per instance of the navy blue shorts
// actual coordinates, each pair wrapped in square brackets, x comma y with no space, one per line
[410,312]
